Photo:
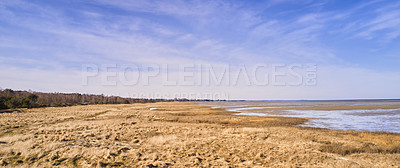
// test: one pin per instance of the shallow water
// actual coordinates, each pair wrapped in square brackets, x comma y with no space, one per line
[378,115]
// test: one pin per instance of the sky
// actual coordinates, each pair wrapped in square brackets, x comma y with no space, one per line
[67,45]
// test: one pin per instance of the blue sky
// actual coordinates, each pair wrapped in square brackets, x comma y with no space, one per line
[356,44]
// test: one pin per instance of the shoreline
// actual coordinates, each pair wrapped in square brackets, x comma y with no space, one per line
[181,134]
[235,113]
[343,117]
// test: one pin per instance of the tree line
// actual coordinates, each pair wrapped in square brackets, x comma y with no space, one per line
[10,99]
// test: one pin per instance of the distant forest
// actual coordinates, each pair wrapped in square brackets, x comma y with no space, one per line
[10,99]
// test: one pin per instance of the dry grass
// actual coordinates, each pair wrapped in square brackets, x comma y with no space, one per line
[343,149]
[162,139]
[366,142]
[181,135]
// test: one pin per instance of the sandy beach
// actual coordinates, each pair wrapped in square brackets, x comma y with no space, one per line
[177,134]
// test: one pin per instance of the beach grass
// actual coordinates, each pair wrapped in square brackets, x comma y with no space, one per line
[177,134]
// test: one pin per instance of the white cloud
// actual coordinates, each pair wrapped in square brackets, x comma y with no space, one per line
[333,82]
[175,7]
[379,24]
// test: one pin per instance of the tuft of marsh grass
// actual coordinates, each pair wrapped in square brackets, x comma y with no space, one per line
[343,149]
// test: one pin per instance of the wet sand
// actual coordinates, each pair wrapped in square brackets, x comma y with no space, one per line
[180,134]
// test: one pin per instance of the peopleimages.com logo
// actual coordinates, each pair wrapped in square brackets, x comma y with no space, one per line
[199,75]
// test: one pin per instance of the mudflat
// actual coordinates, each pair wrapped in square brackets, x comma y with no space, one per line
[176,134]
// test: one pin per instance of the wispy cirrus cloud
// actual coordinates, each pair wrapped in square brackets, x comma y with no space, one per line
[61,36]
[380,23]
